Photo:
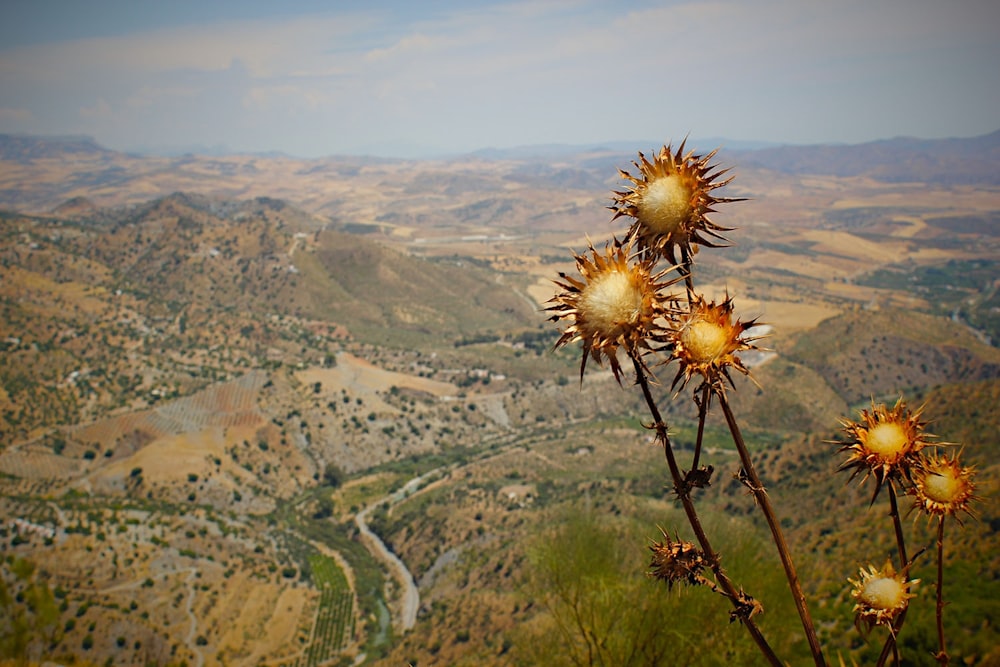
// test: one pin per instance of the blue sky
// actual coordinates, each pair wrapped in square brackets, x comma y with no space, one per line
[423,78]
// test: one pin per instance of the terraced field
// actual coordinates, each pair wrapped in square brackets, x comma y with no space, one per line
[333,629]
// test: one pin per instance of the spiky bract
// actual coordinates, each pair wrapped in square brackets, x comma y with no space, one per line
[885,443]
[706,337]
[676,561]
[880,596]
[619,303]
[670,200]
[942,486]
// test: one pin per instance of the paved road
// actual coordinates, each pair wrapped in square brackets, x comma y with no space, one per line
[411,596]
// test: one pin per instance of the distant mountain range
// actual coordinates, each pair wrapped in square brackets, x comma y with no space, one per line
[972,161]
[555,151]
[25,148]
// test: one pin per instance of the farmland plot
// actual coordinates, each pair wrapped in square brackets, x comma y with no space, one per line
[333,629]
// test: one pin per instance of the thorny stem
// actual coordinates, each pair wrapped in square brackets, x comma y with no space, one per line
[890,643]
[904,566]
[692,515]
[760,495]
[686,270]
[702,412]
[898,525]
[942,654]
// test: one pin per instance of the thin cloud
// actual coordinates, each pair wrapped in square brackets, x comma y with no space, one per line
[267,48]
[522,72]
[16,116]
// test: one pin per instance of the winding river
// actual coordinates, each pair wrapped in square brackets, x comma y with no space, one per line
[410,599]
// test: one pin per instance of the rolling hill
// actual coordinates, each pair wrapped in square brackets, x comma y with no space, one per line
[214,368]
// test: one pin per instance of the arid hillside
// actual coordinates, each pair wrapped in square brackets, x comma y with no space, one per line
[261,410]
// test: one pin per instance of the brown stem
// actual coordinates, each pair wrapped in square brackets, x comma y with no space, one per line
[692,515]
[904,566]
[904,562]
[942,654]
[702,413]
[889,648]
[764,501]
[686,271]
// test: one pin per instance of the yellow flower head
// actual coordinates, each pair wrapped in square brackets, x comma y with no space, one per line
[706,338]
[942,486]
[880,596]
[885,443]
[670,201]
[617,304]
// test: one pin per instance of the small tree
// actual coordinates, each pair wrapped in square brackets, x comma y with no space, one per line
[333,475]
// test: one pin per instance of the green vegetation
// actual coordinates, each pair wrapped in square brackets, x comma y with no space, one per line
[334,627]
[600,609]
[368,576]
[29,617]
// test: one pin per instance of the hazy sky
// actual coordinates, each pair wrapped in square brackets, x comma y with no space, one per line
[421,77]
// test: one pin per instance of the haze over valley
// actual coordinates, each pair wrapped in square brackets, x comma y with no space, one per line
[258,409]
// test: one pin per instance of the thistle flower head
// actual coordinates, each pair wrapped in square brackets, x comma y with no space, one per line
[670,200]
[706,339]
[942,486]
[880,596]
[675,560]
[617,304]
[885,443]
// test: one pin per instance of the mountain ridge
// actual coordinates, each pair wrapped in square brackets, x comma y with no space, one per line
[969,161]
[793,158]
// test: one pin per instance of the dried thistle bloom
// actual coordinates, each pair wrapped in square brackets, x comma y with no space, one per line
[676,561]
[942,486]
[706,339]
[616,305]
[880,596]
[885,443]
[746,608]
[670,201]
